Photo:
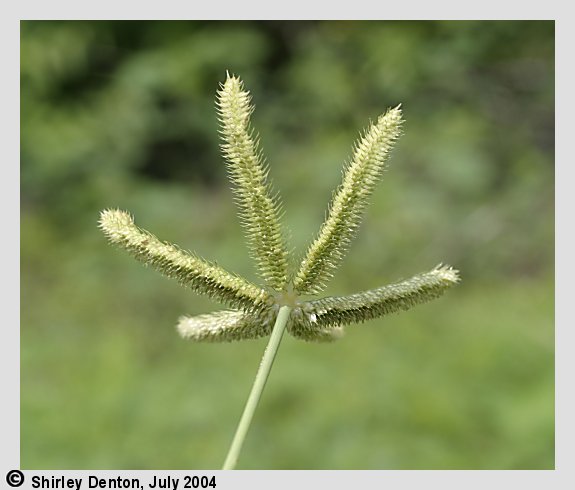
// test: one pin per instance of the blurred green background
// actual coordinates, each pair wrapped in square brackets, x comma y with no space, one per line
[122,114]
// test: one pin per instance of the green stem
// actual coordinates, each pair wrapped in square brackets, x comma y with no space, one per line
[257,388]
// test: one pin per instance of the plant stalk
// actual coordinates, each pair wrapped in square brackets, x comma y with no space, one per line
[257,388]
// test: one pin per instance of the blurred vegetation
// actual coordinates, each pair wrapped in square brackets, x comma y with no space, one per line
[121,114]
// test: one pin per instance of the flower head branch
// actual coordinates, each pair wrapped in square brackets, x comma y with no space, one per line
[348,204]
[198,274]
[259,211]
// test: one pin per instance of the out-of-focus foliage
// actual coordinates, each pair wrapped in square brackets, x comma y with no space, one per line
[122,114]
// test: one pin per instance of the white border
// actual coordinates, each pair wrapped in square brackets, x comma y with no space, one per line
[292,10]
[11,13]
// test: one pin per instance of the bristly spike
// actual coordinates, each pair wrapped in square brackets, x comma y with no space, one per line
[191,271]
[259,208]
[347,207]
[359,307]
[224,326]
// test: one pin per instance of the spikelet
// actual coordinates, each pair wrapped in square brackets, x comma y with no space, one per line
[191,271]
[259,211]
[348,204]
[302,325]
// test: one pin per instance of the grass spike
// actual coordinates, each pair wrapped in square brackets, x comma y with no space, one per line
[259,207]
[191,271]
[224,326]
[360,307]
[347,207]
